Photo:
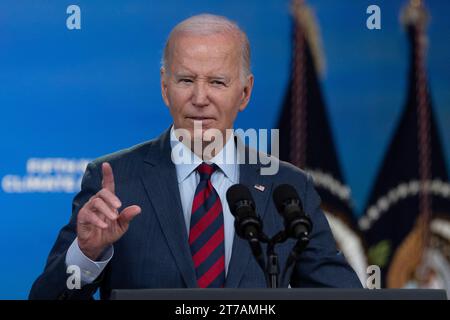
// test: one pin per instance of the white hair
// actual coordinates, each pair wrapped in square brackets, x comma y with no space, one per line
[209,24]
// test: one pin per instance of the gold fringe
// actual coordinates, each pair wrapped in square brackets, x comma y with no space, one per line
[408,256]
[414,13]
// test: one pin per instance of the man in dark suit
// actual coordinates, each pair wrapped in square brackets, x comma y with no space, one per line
[144,220]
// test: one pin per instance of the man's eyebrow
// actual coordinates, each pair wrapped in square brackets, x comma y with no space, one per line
[184,74]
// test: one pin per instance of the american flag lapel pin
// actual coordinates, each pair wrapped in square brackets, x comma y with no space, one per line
[259,187]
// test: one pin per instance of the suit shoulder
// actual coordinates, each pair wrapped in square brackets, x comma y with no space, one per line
[131,154]
[285,169]
[288,172]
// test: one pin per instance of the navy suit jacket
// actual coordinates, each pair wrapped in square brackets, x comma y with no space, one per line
[154,252]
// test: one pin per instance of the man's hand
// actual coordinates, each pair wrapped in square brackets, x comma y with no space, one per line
[98,223]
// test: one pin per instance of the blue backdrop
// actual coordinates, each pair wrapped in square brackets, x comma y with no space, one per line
[67,96]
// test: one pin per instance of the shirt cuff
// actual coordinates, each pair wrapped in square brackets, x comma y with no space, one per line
[89,269]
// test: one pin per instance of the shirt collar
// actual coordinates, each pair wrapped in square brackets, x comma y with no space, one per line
[225,159]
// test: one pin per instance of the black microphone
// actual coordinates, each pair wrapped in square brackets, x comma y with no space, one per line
[297,224]
[247,223]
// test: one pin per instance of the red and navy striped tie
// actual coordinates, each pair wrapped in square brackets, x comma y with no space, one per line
[206,235]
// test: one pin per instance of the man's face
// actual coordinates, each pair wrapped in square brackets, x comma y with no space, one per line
[204,83]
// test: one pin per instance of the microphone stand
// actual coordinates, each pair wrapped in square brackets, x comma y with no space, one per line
[273,266]
[271,269]
[255,237]
[257,252]
[295,255]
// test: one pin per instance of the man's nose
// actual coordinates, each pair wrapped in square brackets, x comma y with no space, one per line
[200,94]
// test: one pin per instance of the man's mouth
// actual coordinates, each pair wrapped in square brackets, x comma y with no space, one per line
[200,118]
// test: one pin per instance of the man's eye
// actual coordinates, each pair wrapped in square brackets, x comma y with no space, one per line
[218,83]
[185,80]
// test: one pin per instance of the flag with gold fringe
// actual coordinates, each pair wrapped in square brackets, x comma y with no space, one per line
[306,138]
[407,219]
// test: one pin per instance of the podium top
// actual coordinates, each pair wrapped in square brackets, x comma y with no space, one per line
[279,294]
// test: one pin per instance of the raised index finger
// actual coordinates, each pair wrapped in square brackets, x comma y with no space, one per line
[108,177]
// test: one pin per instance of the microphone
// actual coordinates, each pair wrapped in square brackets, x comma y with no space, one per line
[247,223]
[297,224]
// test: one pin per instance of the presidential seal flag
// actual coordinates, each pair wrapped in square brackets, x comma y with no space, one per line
[407,218]
[306,138]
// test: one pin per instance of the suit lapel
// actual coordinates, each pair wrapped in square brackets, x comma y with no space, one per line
[161,184]
[249,175]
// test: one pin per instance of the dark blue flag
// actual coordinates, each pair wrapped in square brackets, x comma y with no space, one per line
[406,221]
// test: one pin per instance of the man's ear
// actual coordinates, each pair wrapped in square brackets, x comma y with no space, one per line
[163,75]
[247,92]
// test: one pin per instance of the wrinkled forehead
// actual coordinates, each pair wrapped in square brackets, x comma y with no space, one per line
[210,51]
